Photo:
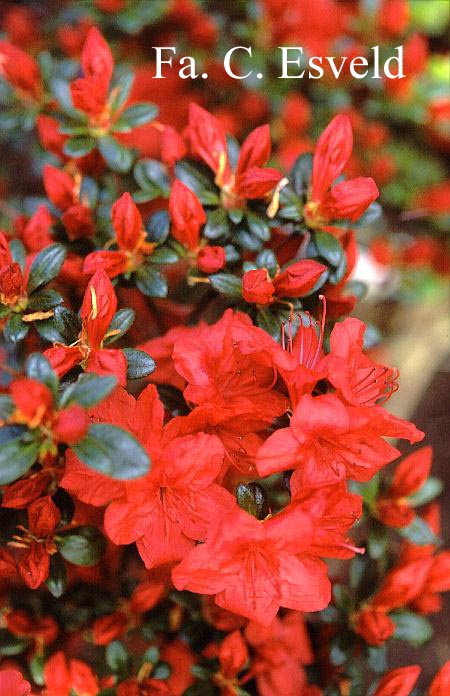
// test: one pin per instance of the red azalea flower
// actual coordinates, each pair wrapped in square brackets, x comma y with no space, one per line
[173,505]
[255,567]
[13,683]
[211,259]
[97,311]
[37,544]
[374,625]
[251,179]
[347,199]
[398,682]
[130,238]
[63,676]
[440,686]
[410,475]
[12,282]
[357,379]
[329,441]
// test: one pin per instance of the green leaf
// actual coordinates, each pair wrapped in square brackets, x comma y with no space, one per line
[112,451]
[301,174]
[121,322]
[67,324]
[36,666]
[270,322]
[88,390]
[45,266]
[15,329]
[82,546]
[429,491]
[136,115]
[43,300]
[418,532]
[329,248]
[377,541]
[38,367]
[258,226]
[57,577]
[252,498]
[164,255]
[121,90]
[151,174]
[236,216]
[162,671]
[116,656]
[79,146]
[140,364]
[217,224]
[227,284]
[150,281]
[413,628]
[117,157]
[377,658]
[6,406]
[267,259]
[18,252]
[16,458]
[191,175]
[158,227]
[11,645]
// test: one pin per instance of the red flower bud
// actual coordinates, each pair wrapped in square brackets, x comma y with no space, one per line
[43,516]
[13,684]
[374,626]
[108,628]
[349,199]
[98,308]
[233,654]
[12,286]
[207,141]
[332,152]
[172,146]
[37,232]
[127,222]
[257,287]
[20,69]
[187,215]
[71,425]
[59,187]
[34,565]
[49,135]
[33,400]
[211,259]
[440,686]
[78,222]
[299,279]
[398,682]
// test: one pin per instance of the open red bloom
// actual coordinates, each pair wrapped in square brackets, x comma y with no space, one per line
[12,282]
[346,199]
[255,567]
[13,683]
[64,677]
[37,544]
[358,380]
[130,238]
[440,686]
[251,179]
[97,311]
[172,506]
[329,441]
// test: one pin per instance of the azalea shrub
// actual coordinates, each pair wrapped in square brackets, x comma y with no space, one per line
[194,431]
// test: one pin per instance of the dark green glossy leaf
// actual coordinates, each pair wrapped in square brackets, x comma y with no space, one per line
[88,390]
[45,266]
[430,490]
[79,146]
[57,577]
[118,157]
[150,281]
[163,256]
[413,628]
[158,227]
[136,115]
[38,367]
[140,364]
[82,546]
[217,224]
[112,451]
[15,329]
[121,323]
[301,174]
[43,300]
[227,284]
[418,532]
[151,174]
[252,498]
[16,458]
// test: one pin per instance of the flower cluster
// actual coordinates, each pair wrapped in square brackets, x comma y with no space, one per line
[202,508]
